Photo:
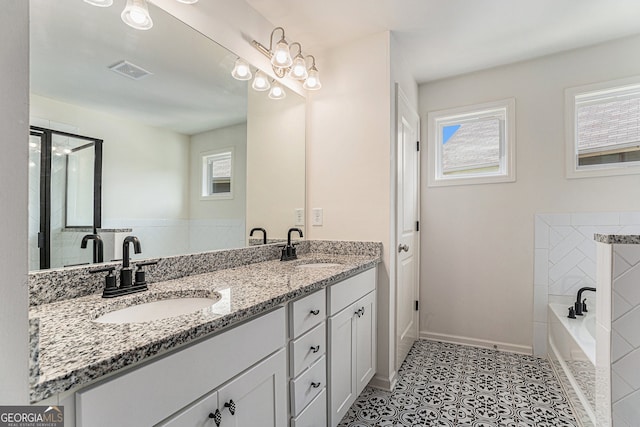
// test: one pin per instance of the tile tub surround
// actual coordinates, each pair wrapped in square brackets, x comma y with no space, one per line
[60,284]
[565,258]
[73,350]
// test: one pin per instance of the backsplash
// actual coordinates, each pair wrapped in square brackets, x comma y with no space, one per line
[565,258]
[49,286]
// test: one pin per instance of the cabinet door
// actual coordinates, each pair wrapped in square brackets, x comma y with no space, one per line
[258,397]
[342,348]
[365,341]
[199,415]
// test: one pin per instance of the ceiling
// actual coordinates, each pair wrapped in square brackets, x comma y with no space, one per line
[443,38]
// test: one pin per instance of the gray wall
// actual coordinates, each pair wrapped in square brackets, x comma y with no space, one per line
[14,122]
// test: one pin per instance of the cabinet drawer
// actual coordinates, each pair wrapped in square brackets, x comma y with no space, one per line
[307,386]
[348,291]
[307,313]
[307,349]
[314,415]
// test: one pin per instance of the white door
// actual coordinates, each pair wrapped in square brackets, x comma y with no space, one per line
[365,340]
[342,348]
[258,397]
[407,217]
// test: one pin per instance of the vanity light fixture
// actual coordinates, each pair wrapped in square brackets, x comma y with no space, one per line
[284,65]
[260,82]
[241,70]
[277,91]
[136,15]
[100,3]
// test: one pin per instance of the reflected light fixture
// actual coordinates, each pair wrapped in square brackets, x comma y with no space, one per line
[260,82]
[277,91]
[100,3]
[241,70]
[136,15]
[298,69]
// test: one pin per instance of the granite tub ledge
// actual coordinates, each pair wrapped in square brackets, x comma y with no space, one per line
[74,350]
[622,239]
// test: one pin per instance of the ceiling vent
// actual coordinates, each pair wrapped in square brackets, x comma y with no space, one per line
[127,69]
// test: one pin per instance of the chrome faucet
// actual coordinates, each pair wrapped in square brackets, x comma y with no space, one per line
[98,247]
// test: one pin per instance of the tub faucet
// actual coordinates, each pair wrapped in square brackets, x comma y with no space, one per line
[98,249]
[580,306]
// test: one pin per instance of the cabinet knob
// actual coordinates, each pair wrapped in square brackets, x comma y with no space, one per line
[217,417]
[402,248]
[315,349]
[360,312]
[315,312]
[315,385]
[231,405]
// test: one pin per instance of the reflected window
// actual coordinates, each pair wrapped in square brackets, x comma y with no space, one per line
[217,175]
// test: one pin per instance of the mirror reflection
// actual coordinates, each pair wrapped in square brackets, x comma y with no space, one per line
[191,160]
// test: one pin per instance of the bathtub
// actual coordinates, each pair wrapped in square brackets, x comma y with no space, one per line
[572,350]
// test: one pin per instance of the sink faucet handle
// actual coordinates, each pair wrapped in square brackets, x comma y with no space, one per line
[109,280]
[140,279]
[584,305]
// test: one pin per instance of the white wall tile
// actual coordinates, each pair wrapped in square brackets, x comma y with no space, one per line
[556,219]
[566,247]
[541,267]
[619,306]
[588,266]
[540,303]
[565,265]
[595,218]
[628,285]
[619,347]
[540,339]
[619,264]
[627,368]
[619,387]
[630,218]
[628,409]
[541,229]
[630,253]
[628,326]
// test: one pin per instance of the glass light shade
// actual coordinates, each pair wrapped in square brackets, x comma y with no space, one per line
[313,80]
[241,70]
[299,68]
[281,56]
[136,15]
[100,3]
[188,1]
[277,91]
[260,82]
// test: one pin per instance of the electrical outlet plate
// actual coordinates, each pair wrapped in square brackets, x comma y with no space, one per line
[299,216]
[316,216]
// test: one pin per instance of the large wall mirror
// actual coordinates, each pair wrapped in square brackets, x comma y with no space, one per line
[191,158]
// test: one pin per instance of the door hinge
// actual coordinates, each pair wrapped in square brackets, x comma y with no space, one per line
[417,145]
[417,305]
[417,225]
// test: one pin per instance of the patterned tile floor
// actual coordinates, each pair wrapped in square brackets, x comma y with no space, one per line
[453,385]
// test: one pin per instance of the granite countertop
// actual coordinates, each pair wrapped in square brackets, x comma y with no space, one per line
[624,239]
[74,350]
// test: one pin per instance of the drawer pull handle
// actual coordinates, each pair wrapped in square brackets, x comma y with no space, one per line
[315,312]
[232,406]
[315,349]
[217,417]
[315,385]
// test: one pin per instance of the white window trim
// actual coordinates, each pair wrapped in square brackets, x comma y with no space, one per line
[571,155]
[507,173]
[204,174]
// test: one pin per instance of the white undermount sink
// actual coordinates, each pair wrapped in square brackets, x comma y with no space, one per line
[157,310]
[318,265]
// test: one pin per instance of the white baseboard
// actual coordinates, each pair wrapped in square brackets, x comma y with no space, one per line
[474,342]
[382,383]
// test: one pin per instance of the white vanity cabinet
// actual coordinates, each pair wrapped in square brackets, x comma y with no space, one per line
[351,341]
[246,364]
[307,361]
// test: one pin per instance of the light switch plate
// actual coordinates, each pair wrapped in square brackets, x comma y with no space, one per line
[316,216]
[299,216]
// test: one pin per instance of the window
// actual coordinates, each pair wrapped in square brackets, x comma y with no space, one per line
[603,129]
[217,175]
[472,145]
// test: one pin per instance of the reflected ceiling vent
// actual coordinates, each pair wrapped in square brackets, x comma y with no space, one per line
[127,69]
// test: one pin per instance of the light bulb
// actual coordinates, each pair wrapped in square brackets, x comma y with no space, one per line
[277,92]
[260,82]
[188,1]
[32,145]
[313,81]
[100,3]
[298,69]
[241,70]
[136,15]
[66,151]
[281,56]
